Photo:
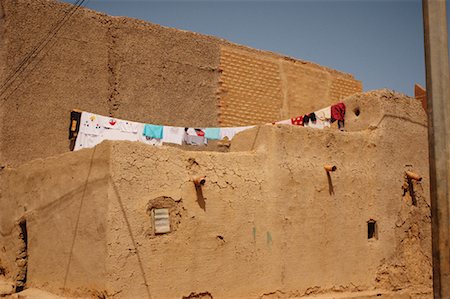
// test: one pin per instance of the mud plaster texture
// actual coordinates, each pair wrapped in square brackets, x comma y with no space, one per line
[139,71]
[268,222]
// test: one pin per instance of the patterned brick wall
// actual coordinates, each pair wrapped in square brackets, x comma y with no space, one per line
[306,88]
[250,89]
[259,87]
[342,87]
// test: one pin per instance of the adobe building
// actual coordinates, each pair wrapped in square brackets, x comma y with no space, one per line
[134,70]
[268,222]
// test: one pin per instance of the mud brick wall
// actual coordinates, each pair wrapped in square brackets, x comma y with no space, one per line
[258,87]
[135,70]
[250,88]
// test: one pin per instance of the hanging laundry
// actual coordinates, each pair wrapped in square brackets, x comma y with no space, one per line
[91,124]
[74,127]
[212,133]
[146,139]
[153,131]
[297,121]
[195,140]
[199,132]
[319,124]
[128,126]
[111,123]
[111,134]
[173,135]
[324,114]
[284,122]
[87,141]
[194,136]
[230,132]
[305,120]
[338,113]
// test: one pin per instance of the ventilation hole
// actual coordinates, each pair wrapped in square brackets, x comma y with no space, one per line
[372,230]
[161,221]
[356,111]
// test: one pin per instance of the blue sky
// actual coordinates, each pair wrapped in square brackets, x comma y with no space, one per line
[379,42]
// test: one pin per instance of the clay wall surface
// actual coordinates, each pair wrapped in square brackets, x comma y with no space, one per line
[57,197]
[106,65]
[260,87]
[143,72]
[268,223]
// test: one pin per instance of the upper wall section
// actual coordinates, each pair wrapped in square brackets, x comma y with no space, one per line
[259,87]
[139,71]
[111,66]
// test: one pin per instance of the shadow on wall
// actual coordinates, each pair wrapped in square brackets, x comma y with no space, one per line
[75,233]
[130,232]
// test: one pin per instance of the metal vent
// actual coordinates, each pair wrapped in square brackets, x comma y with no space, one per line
[161,221]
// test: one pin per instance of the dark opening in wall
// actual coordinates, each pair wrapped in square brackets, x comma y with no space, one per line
[356,111]
[22,258]
[372,229]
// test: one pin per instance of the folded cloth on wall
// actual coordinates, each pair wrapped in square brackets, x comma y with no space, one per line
[173,135]
[212,133]
[153,131]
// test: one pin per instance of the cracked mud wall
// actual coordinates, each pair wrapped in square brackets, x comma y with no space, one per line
[139,71]
[270,226]
[265,225]
[64,202]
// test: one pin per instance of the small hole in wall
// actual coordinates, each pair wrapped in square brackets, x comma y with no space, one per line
[357,111]
[372,229]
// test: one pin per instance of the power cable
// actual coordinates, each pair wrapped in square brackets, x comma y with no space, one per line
[23,65]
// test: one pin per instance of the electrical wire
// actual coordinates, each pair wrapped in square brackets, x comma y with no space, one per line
[28,59]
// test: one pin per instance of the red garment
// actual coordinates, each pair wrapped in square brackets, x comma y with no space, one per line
[200,132]
[338,111]
[297,121]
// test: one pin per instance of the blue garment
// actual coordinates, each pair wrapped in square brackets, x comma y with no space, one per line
[153,131]
[212,133]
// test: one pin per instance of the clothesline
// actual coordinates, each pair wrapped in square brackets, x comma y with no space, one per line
[89,129]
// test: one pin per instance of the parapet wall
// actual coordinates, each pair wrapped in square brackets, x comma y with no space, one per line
[268,223]
[143,72]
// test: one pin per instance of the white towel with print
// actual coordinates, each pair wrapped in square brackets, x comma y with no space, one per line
[173,135]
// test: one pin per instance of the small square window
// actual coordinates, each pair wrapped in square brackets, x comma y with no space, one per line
[372,229]
[161,221]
